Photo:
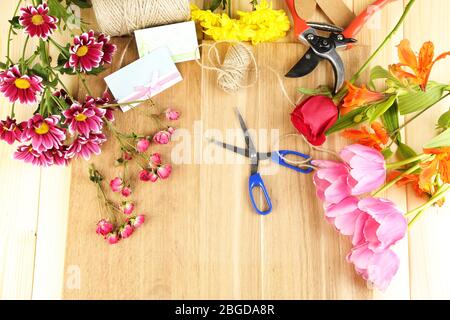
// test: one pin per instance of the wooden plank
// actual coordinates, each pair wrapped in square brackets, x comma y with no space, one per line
[429,238]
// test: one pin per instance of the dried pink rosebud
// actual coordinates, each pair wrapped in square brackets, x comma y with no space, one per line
[171,130]
[127,156]
[126,231]
[126,192]
[162,137]
[164,171]
[172,114]
[112,238]
[155,159]
[127,207]
[137,221]
[143,145]
[144,175]
[153,177]
[116,184]
[104,227]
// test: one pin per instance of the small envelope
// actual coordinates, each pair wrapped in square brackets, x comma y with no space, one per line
[144,78]
[180,38]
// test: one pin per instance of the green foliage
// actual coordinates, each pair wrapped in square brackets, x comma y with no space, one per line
[84,4]
[405,152]
[419,100]
[378,109]
[442,140]
[444,121]
[15,23]
[348,120]
[319,91]
[391,120]
[217,3]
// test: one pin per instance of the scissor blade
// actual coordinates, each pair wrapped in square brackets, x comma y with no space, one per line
[235,149]
[338,68]
[305,65]
[253,153]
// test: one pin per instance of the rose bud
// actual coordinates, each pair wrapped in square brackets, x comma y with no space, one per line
[104,227]
[155,159]
[164,171]
[313,117]
[143,145]
[137,221]
[172,114]
[127,207]
[112,238]
[126,231]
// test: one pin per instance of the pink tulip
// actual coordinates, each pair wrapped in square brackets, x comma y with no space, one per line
[138,221]
[172,114]
[104,227]
[378,268]
[126,231]
[164,171]
[155,159]
[367,168]
[126,192]
[344,215]
[143,145]
[116,184]
[127,207]
[162,137]
[331,181]
[112,238]
[380,226]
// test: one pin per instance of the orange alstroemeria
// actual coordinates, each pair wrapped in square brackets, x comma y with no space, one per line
[439,166]
[357,97]
[409,179]
[375,140]
[420,66]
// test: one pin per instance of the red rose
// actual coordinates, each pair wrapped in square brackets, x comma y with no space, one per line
[313,117]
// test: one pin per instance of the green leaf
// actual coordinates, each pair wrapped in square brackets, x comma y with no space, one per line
[387,153]
[380,108]
[40,71]
[444,121]
[96,71]
[3,66]
[348,120]
[84,4]
[57,9]
[320,91]
[442,140]
[391,120]
[216,3]
[15,23]
[419,100]
[379,72]
[405,152]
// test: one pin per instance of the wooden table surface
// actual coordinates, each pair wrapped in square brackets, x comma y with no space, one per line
[34,210]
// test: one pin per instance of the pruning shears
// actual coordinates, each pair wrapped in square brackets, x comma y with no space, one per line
[325,47]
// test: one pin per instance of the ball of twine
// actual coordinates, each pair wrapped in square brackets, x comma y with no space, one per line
[122,17]
[232,73]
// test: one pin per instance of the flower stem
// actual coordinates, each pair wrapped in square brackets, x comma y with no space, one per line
[407,161]
[23,64]
[13,114]
[394,181]
[442,192]
[8,45]
[83,81]
[356,76]
[125,103]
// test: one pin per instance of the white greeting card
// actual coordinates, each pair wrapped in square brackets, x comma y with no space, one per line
[144,78]
[180,38]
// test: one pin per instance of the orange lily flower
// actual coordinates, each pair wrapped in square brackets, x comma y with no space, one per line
[374,140]
[409,179]
[420,65]
[440,165]
[357,97]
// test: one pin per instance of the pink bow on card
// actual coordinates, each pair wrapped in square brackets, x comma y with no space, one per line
[146,92]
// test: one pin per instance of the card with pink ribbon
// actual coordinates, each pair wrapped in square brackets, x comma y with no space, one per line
[144,78]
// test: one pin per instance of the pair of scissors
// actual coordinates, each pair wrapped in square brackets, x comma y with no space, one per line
[325,47]
[255,180]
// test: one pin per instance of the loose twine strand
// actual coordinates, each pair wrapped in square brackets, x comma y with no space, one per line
[118,18]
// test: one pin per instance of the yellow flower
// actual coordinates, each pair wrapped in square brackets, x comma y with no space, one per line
[264,24]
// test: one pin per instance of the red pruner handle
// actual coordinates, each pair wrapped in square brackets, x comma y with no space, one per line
[355,26]
[300,25]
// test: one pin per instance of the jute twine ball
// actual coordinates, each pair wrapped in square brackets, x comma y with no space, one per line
[122,17]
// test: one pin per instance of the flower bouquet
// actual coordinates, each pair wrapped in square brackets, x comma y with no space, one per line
[350,186]
[62,127]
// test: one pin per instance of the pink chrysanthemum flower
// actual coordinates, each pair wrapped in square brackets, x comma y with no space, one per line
[18,87]
[86,53]
[44,133]
[84,119]
[85,147]
[30,155]
[10,131]
[37,22]
[109,49]
[59,156]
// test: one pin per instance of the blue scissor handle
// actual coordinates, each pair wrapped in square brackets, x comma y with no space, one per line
[255,181]
[283,153]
